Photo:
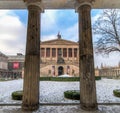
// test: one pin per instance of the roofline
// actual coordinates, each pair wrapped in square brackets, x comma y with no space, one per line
[59,4]
[58,39]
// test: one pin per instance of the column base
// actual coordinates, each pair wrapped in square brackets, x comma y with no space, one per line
[88,107]
[30,107]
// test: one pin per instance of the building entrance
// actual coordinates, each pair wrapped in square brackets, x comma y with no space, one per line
[60,70]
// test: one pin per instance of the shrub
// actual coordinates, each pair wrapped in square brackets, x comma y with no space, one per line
[116,92]
[64,78]
[97,77]
[17,95]
[72,94]
[45,78]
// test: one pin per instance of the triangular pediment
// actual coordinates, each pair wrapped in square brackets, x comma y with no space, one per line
[59,42]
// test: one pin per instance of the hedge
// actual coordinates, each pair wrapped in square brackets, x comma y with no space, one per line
[72,94]
[64,78]
[17,95]
[116,92]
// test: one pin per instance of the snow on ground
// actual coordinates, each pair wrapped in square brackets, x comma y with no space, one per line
[52,92]
[65,75]
[61,109]
[105,89]
[7,87]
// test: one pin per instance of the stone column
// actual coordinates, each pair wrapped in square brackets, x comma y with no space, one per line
[50,53]
[44,52]
[88,98]
[62,51]
[78,54]
[67,54]
[45,55]
[32,60]
[56,54]
[73,54]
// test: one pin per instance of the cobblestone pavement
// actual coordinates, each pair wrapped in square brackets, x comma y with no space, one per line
[61,109]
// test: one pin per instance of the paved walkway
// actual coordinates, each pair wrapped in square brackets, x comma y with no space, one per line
[61,109]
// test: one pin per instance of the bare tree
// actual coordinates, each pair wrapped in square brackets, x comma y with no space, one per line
[107,31]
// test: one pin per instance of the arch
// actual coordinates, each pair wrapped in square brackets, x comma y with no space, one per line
[60,70]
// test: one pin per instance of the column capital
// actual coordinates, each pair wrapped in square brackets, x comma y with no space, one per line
[80,3]
[37,3]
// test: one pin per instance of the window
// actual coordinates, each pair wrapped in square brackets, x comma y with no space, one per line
[48,52]
[53,52]
[64,52]
[59,52]
[42,52]
[75,52]
[70,52]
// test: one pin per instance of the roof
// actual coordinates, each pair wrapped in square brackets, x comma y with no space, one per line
[1,54]
[18,57]
[59,4]
[59,41]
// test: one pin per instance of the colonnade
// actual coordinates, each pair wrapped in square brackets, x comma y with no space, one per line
[53,52]
[32,58]
[110,72]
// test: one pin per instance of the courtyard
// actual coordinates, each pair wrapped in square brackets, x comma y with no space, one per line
[52,92]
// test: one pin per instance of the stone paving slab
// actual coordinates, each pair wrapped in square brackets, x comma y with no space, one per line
[61,109]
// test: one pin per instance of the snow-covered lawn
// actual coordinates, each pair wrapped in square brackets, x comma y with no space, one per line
[52,92]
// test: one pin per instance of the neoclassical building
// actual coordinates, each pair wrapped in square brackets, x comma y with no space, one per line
[3,61]
[11,66]
[59,57]
[16,65]
[3,64]
[110,71]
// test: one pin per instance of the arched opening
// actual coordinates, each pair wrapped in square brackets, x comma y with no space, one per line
[60,70]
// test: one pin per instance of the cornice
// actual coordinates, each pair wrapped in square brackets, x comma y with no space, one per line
[80,3]
[35,3]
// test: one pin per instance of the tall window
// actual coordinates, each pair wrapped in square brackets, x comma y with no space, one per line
[59,52]
[53,52]
[70,52]
[48,52]
[64,52]
[75,52]
[42,52]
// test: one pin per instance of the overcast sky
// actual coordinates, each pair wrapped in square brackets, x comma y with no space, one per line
[13,27]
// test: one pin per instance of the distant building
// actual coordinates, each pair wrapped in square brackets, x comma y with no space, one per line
[3,61]
[3,64]
[16,64]
[59,57]
[11,66]
[109,71]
